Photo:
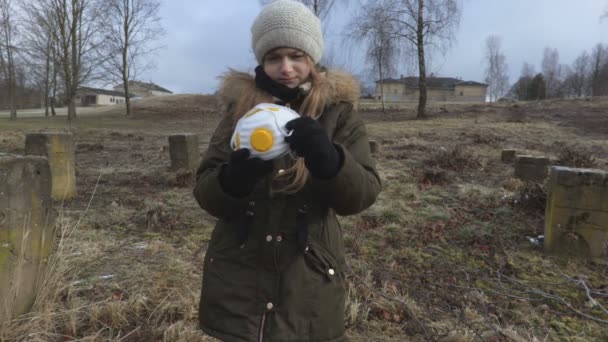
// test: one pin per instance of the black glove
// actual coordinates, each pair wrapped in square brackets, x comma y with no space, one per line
[239,176]
[309,140]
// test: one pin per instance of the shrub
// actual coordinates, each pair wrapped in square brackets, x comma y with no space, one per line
[455,159]
[575,156]
[530,198]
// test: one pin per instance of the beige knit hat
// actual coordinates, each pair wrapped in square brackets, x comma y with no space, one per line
[287,23]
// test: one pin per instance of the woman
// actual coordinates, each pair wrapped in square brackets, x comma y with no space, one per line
[274,268]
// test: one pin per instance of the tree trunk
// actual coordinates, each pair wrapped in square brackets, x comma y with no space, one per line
[127,99]
[47,75]
[381,86]
[67,77]
[10,65]
[382,95]
[421,64]
[125,66]
[11,95]
[11,87]
[71,108]
[54,88]
[74,62]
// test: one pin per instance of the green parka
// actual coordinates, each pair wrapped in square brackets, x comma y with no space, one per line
[274,268]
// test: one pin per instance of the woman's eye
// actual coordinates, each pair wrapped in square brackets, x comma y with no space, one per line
[298,57]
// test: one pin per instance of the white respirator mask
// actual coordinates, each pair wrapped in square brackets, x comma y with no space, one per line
[262,131]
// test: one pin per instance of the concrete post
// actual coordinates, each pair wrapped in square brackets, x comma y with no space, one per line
[529,168]
[59,149]
[26,230]
[576,220]
[508,156]
[373,146]
[183,149]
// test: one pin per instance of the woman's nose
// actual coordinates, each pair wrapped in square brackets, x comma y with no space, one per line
[286,65]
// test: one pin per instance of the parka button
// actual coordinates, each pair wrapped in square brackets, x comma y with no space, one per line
[269,306]
[331,271]
[279,238]
[269,238]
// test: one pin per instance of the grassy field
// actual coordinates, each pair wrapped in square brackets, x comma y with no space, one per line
[443,255]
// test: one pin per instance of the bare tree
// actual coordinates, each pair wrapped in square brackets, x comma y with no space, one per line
[496,68]
[552,72]
[599,62]
[578,75]
[133,26]
[527,69]
[382,50]
[519,90]
[40,47]
[422,25]
[79,27]
[7,51]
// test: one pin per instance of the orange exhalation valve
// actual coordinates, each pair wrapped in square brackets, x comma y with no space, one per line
[262,139]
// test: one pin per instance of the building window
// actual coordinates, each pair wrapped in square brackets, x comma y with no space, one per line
[461,94]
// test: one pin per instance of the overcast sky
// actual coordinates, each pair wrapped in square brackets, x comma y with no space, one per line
[206,37]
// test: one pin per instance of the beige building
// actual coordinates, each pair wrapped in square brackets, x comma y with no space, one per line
[143,89]
[438,89]
[86,96]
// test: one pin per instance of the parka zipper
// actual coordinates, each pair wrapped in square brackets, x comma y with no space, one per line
[261,332]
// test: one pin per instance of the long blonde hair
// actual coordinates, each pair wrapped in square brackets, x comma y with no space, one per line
[312,106]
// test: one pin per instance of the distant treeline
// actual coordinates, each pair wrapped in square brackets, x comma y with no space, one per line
[587,76]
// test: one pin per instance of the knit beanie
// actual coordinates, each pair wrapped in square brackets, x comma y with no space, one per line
[287,23]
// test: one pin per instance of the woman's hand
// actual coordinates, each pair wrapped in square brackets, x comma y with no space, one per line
[239,176]
[309,140]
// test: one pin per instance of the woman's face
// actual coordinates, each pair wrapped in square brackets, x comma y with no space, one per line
[287,66]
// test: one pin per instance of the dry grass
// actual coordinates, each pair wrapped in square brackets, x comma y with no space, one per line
[442,255]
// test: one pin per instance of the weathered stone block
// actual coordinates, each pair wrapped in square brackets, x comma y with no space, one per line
[373,146]
[59,149]
[183,149]
[508,156]
[529,168]
[26,230]
[576,221]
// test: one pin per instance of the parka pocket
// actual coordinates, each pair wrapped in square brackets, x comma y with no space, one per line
[228,286]
[329,293]
[319,259]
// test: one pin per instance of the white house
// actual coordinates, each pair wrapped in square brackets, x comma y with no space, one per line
[86,96]
[438,89]
[143,89]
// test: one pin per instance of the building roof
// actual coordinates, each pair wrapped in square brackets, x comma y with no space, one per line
[471,83]
[149,86]
[103,92]
[433,82]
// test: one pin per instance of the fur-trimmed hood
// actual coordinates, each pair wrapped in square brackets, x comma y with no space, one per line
[340,87]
